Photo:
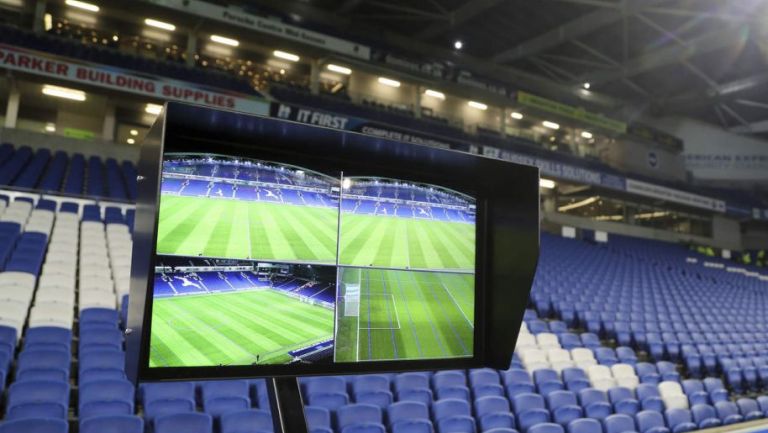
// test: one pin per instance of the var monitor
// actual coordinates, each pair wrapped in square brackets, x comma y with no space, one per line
[285,249]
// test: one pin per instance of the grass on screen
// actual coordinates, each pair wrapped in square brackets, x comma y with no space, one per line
[406,315]
[232,328]
[411,243]
[198,226]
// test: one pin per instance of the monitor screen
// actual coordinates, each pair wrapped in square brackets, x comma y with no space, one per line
[268,263]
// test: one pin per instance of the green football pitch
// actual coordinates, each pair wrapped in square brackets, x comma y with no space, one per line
[233,328]
[389,315]
[197,226]
[411,243]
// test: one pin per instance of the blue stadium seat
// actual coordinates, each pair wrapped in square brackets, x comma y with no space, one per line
[624,401]
[149,392]
[546,428]
[404,381]
[488,390]
[762,401]
[184,422]
[101,365]
[100,339]
[456,424]
[595,403]
[99,316]
[575,379]
[649,421]
[421,395]
[716,389]
[328,400]
[585,425]
[323,384]
[529,410]
[223,388]
[407,410]
[105,397]
[247,421]
[364,428]
[728,412]
[497,420]
[357,414]
[381,399]
[705,416]
[483,377]
[619,423]
[41,425]
[371,382]
[647,373]
[217,406]
[166,406]
[649,397]
[413,426]
[680,420]
[443,379]
[37,410]
[749,409]
[547,380]
[518,381]
[563,407]
[37,391]
[47,337]
[317,417]
[458,392]
[450,407]
[112,424]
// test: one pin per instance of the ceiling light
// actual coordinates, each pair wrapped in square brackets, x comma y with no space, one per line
[50,127]
[47,22]
[160,24]
[578,204]
[389,82]
[134,132]
[547,183]
[340,69]
[587,85]
[346,183]
[434,94]
[226,41]
[82,5]
[286,56]
[458,45]
[130,141]
[153,109]
[586,134]
[63,92]
[550,125]
[478,105]
[516,115]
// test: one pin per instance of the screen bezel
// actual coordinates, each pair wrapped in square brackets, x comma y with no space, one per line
[189,129]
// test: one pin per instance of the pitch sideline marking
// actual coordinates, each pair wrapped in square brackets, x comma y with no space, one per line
[442,283]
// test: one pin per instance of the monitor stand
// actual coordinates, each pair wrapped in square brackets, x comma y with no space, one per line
[287,405]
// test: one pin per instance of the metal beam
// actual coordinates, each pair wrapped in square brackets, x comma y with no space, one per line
[574,29]
[720,38]
[751,128]
[719,93]
[456,17]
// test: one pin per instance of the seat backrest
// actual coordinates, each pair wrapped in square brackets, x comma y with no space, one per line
[527,401]
[405,410]
[678,416]
[224,388]
[106,390]
[747,405]
[358,413]
[167,390]
[546,428]
[620,393]
[557,399]
[649,419]
[619,423]
[371,382]
[726,408]
[317,417]
[450,407]
[585,425]
[246,420]
[112,424]
[701,412]
[591,395]
[190,422]
[692,385]
[34,425]
[645,390]
[491,404]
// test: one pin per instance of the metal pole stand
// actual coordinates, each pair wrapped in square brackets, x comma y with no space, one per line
[287,405]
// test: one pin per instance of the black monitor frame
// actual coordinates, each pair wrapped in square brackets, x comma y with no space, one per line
[507,225]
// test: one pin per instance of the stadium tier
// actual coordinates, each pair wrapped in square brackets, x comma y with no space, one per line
[24,169]
[632,335]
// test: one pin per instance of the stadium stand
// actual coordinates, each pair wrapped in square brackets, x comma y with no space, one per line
[628,348]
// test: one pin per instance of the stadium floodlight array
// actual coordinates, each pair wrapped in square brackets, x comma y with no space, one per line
[268,248]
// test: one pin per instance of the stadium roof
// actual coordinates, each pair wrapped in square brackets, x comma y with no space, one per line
[701,58]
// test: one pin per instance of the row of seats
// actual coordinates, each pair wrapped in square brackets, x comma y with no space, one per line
[22,168]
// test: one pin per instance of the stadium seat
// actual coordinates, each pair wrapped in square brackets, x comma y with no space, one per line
[374,382]
[705,416]
[412,426]
[219,405]
[529,410]
[563,407]
[407,410]
[112,424]
[449,407]
[619,423]
[43,425]
[623,401]
[749,409]
[358,414]
[585,425]
[364,428]
[728,412]
[680,420]
[247,421]
[55,410]
[649,421]
[186,422]
[317,417]
[166,406]
[149,392]
[546,428]
[595,403]
[381,399]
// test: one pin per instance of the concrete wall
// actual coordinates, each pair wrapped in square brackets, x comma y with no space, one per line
[88,148]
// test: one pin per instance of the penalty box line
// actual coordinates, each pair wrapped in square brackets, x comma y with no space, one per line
[397,316]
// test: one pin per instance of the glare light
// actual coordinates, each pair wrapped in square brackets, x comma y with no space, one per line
[578,204]
[478,105]
[586,134]
[130,141]
[50,127]
[547,183]
[587,86]
[346,183]
[82,5]
[516,115]
[47,22]
[339,69]
[458,45]
[286,56]
[550,125]
[434,94]
[13,2]
[153,109]
[63,92]
[134,132]
[389,82]
[226,41]
[115,38]
[160,24]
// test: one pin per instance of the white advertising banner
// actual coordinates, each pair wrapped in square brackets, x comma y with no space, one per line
[674,195]
[240,18]
[34,62]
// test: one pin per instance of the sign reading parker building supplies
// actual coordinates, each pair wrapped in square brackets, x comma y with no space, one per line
[37,63]
[239,17]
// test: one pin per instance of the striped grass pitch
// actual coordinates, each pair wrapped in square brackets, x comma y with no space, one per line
[406,315]
[196,226]
[232,328]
